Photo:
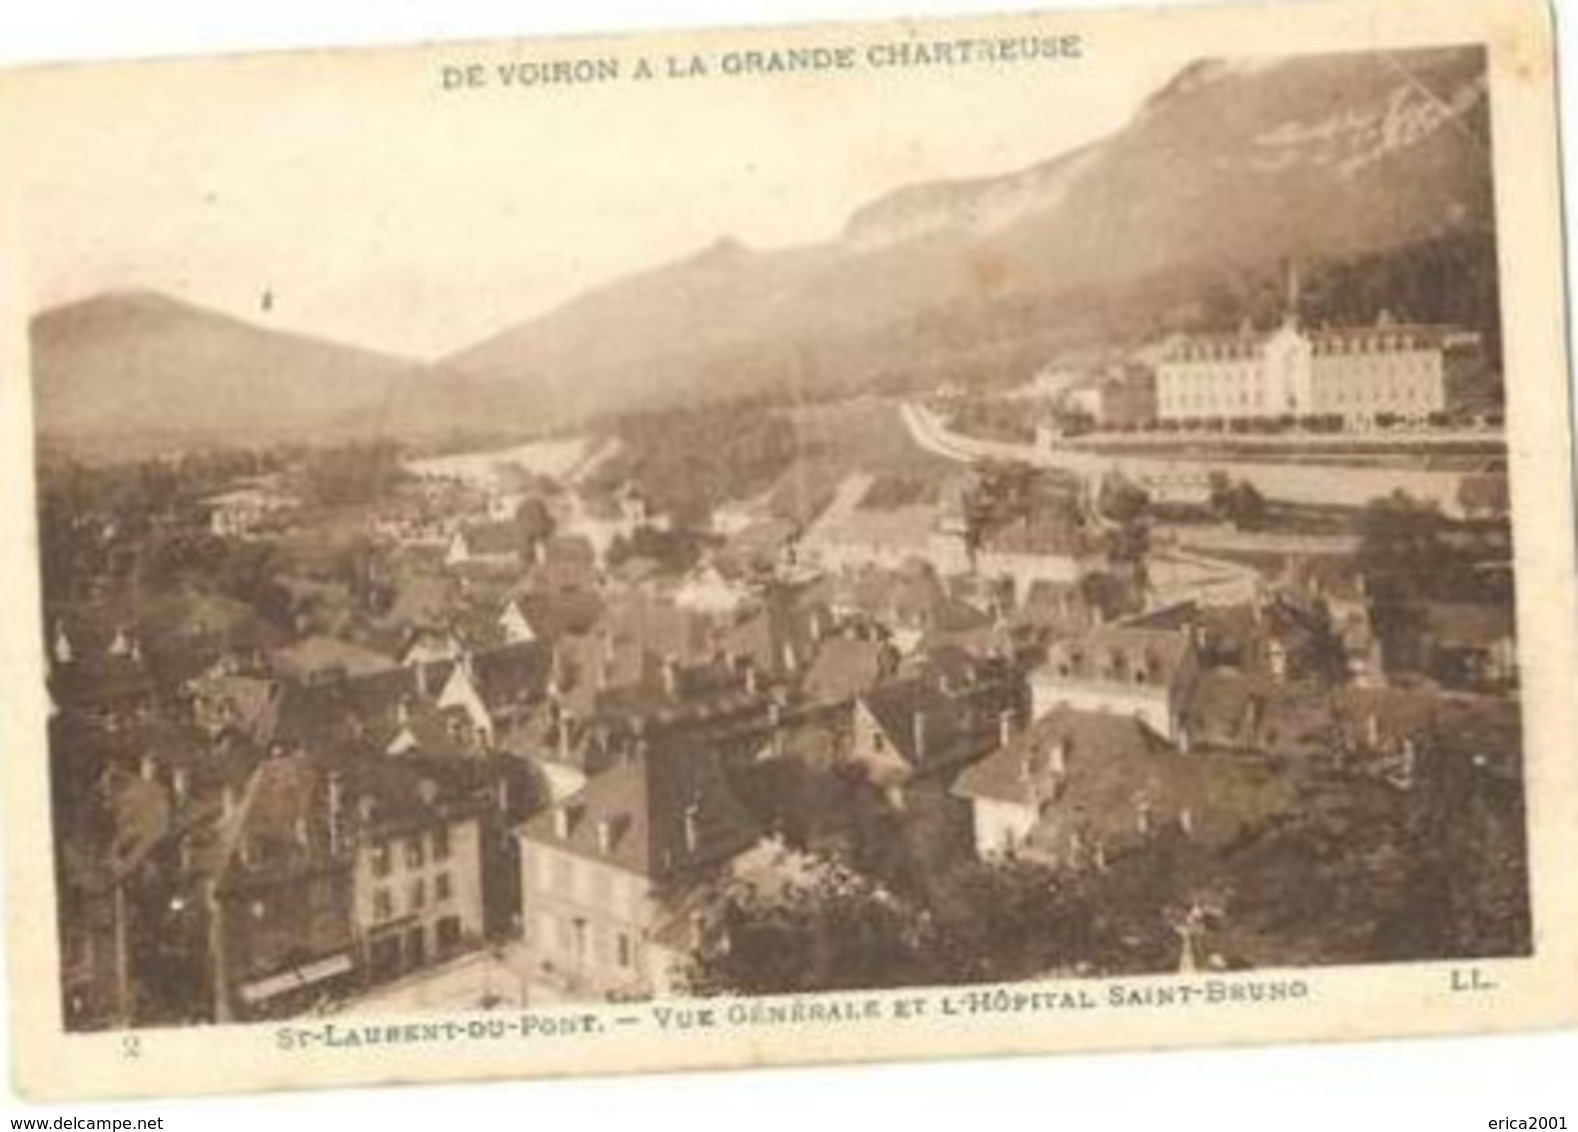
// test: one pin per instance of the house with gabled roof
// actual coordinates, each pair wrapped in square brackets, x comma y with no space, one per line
[846,665]
[911,730]
[496,544]
[1078,787]
[605,874]
[1142,673]
[329,873]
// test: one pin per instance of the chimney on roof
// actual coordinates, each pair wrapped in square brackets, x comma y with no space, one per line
[791,660]
[671,677]
[1186,821]
[605,835]
[561,822]
[556,673]
[300,830]
[422,679]
[336,790]
[1372,728]
[1057,757]
[1005,728]
[1142,817]
[1407,765]
[918,733]
[228,802]
[147,768]
[564,736]
[539,551]
[179,784]
[692,827]
[753,682]
[63,651]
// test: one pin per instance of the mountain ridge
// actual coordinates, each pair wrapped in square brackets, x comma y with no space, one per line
[1183,215]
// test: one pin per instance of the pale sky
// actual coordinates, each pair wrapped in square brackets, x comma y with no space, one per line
[381,211]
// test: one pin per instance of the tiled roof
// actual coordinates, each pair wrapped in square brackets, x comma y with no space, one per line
[1233,709]
[1397,713]
[101,682]
[1113,772]
[844,667]
[513,674]
[777,635]
[354,712]
[286,823]
[662,813]
[927,727]
[1020,771]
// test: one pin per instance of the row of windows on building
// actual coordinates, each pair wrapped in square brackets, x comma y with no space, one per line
[1392,345]
[416,851]
[1368,368]
[566,875]
[1367,395]
[582,941]
[417,896]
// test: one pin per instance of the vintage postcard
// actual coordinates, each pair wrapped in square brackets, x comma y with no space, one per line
[922,539]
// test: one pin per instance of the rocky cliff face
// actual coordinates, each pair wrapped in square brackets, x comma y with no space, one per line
[1233,167]
[1223,175]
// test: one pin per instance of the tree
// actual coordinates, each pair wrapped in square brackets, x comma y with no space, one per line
[1484,495]
[836,930]
[534,522]
[1238,503]
[353,473]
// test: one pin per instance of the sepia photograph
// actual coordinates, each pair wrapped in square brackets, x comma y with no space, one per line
[993,509]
